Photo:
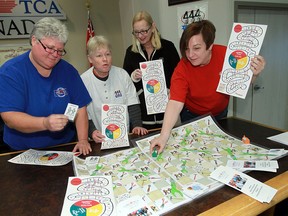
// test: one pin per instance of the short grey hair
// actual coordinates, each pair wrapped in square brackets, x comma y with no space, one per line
[96,43]
[50,27]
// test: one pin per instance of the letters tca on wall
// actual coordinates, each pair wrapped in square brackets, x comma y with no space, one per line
[17,17]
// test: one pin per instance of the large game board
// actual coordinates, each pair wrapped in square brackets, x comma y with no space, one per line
[135,174]
[181,172]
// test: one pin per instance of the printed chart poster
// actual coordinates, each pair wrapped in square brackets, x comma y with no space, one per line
[244,43]
[45,158]
[87,196]
[114,126]
[154,85]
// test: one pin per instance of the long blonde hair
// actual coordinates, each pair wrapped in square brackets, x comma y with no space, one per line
[156,36]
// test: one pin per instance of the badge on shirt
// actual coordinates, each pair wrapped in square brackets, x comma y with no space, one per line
[71,111]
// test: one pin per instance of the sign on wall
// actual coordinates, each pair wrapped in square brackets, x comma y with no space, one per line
[189,13]
[12,50]
[17,17]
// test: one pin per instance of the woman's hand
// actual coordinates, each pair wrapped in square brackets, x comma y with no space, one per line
[139,131]
[83,146]
[97,136]
[157,143]
[257,65]
[55,122]
[136,75]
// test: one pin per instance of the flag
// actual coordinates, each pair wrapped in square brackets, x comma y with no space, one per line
[90,30]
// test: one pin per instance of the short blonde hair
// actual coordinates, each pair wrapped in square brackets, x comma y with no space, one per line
[96,42]
[156,36]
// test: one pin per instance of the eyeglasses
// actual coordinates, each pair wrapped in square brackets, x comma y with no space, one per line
[142,32]
[51,50]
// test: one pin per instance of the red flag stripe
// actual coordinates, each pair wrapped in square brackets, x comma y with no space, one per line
[90,30]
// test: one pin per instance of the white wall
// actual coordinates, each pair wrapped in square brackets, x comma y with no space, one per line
[220,12]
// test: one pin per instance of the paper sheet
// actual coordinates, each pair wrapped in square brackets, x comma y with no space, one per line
[114,126]
[269,166]
[244,43]
[89,196]
[44,158]
[281,138]
[244,183]
[154,85]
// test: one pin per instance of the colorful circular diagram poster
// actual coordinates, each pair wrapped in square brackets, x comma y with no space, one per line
[244,44]
[238,59]
[153,86]
[49,157]
[87,208]
[113,131]
[115,125]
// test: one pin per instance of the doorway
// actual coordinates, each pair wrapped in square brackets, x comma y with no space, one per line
[267,99]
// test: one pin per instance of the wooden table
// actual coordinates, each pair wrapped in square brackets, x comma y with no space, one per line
[39,190]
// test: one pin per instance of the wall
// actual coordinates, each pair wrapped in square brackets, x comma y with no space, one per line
[165,18]
[112,18]
[220,12]
[105,17]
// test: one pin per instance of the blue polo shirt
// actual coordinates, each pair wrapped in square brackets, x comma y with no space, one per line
[23,89]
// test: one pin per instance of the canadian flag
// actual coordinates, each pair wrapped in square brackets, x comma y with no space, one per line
[90,30]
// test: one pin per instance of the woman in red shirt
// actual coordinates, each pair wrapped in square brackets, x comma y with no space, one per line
[195,79]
